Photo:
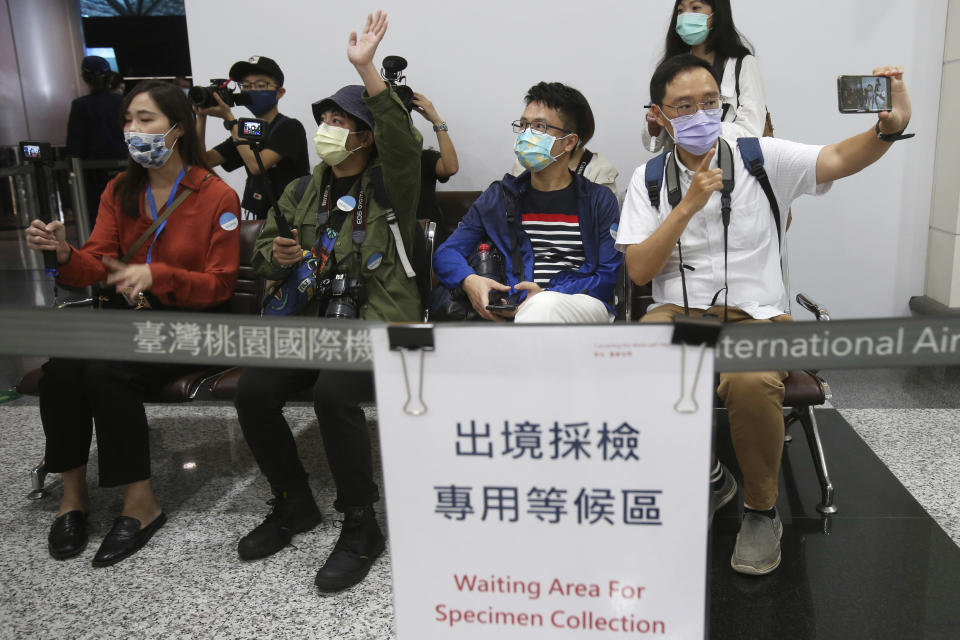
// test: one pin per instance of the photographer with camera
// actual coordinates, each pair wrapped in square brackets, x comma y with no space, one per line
[550,227]
[713,228]
[353,226]
[284,151]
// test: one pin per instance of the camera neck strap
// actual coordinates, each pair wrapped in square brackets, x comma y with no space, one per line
[584,161]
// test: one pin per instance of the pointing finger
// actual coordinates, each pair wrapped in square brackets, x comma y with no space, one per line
[705,163]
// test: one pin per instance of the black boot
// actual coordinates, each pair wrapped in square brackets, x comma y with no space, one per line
[359,545]
[293,512]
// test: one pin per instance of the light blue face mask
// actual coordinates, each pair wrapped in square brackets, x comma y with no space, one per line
[533,149]
[692,27]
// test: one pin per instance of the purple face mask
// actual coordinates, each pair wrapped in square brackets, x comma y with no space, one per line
[697,133]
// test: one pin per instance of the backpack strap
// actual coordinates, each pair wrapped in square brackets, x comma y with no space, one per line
[653,178]
[301,188]
[752,157]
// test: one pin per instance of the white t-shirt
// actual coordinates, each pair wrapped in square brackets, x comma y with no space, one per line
[754,275]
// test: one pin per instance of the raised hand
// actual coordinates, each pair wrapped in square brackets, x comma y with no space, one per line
[360,51]
[895,121]
[423,106]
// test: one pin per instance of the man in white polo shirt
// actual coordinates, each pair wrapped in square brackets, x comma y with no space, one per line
[737,278]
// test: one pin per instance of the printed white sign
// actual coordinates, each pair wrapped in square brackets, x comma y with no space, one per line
[552,488]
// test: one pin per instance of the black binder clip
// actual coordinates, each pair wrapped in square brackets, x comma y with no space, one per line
[693,331]
[411,337]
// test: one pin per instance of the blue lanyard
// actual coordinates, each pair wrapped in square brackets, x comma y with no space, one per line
[153,210]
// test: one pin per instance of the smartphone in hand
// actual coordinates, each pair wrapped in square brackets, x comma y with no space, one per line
[863,94]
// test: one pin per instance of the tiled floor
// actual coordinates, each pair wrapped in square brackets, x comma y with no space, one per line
[881,568]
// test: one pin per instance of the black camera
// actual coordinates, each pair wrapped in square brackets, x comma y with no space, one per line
[344,296]
[36,152]
[251,129]
[203,96]
[393,66]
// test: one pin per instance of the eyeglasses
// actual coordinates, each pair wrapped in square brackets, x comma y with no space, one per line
[257,86]
[538,126]
[709,105]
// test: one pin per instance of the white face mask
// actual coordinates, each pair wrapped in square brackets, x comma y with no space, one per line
[149,149]
[330,144]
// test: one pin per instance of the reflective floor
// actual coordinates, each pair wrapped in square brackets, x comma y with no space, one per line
[886,566]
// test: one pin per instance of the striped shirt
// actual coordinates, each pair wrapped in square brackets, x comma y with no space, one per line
[551,222]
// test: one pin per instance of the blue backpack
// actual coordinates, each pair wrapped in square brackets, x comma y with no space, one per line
[752,157]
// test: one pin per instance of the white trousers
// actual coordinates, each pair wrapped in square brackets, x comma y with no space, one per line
[562,308]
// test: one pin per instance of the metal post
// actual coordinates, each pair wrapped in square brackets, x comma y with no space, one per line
[78,198]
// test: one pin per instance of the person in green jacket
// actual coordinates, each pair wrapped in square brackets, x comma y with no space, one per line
[345,221]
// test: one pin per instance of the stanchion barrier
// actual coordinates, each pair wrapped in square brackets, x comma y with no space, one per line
[312,343]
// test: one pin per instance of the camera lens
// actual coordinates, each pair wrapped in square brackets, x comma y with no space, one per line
[341,307]
[201,96]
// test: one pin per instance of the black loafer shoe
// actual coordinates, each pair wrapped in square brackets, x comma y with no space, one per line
[68,535]
[125,539]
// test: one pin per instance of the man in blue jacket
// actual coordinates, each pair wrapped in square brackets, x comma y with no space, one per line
[554,229]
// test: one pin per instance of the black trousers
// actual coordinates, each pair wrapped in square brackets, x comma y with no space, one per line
[261,395]
[76,394]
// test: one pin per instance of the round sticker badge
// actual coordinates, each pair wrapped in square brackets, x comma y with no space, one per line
[374,261]
[613,230]
[228,221]
[347,203]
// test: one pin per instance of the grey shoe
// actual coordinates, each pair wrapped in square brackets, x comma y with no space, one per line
[757,551]
[720,497]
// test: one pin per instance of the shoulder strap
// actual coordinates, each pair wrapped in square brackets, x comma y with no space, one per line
[156,223]
[752,156]
[584,161]
[673,180]
[653,177]
[380,195]
[302,183]
[513,225]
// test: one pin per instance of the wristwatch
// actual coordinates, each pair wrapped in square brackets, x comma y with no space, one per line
[228,124]
[892,137]
[440,127]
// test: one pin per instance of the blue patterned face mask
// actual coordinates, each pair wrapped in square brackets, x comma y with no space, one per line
[533,149]
[149,149]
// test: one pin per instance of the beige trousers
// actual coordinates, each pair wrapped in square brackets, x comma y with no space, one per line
[754,402]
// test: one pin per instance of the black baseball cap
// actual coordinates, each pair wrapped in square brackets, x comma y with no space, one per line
[349,99]
[257,64]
